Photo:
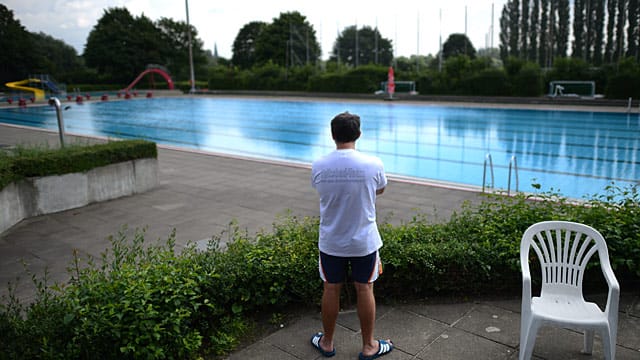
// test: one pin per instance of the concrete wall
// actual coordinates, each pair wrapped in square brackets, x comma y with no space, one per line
[44,195]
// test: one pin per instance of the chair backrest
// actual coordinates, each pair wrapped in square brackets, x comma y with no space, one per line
[563,249]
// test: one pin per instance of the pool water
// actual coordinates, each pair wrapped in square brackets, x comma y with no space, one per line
[574,153]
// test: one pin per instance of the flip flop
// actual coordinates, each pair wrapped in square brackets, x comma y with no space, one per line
[384,348]
[315,342]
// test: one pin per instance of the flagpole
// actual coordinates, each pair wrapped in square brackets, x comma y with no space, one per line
[193,78]
[440,45]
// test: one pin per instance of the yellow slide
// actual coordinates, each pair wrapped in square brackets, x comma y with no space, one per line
[39,93]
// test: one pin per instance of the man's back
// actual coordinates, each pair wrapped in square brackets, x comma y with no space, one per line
[347,181]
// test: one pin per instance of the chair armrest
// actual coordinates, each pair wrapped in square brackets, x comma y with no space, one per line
[613,296]
[526,293]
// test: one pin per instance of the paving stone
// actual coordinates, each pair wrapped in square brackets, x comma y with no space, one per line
[447,313]
[409,332]
[493,323]
[629,331]
[262,351]
[454,344]
[295,339]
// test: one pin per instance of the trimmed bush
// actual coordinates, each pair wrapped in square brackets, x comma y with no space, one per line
[32,162]
[488,82]
[146,301]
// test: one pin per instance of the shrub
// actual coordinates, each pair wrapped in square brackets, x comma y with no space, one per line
[364,79]
[147,301]
[528,81]
[623,86]
[29,162]
[488,82]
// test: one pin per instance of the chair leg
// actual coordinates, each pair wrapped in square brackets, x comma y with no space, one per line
[588,342]
[608,346]
[528,340]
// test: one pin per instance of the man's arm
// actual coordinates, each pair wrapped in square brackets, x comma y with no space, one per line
[380,191]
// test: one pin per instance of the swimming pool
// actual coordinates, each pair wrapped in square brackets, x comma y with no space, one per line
[573,153]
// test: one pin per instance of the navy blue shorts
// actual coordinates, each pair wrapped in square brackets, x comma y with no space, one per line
[364,269]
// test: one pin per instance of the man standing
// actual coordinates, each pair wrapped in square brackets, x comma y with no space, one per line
[348,182]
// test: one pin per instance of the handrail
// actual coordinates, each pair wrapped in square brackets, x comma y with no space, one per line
[513,162]
[55,102]
[484,172]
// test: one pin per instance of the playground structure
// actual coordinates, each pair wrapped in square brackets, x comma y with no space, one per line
[151,69]
[38,85]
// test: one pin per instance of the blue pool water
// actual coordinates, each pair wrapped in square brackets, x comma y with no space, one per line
[573,153]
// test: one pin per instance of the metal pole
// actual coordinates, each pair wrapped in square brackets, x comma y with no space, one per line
[193,77]
[55,102]
[440,46]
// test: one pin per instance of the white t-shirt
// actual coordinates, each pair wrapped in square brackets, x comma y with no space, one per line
[346,181]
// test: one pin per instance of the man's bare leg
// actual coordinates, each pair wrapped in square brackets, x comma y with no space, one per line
[367,316]
[330,310]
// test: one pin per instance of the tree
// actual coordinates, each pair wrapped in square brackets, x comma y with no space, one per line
[561,38]
[633,31]
[458,44]
[514,27]
[598,29]
[288,41]
[620,22]
[534,31]
[53,56]
[578,29]
[543,45]
[524,29]
[110,46]
[16,43]
[244,45]
[121,46]
[175,48]
[505,34]
[367,42]
[610,47]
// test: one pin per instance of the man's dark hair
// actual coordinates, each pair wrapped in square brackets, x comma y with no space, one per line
[345,127]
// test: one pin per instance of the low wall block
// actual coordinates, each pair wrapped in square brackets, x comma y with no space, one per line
[45,195]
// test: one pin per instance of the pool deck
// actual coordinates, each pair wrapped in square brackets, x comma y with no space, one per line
[201,194]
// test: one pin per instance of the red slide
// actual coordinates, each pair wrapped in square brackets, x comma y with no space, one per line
[151,70]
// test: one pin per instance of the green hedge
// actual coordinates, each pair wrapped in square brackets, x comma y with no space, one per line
[149,301]
[31,162]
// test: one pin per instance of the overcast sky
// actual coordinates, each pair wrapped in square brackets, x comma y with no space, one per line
[413,26]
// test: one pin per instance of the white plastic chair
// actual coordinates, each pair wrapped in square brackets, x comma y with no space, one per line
[564,249]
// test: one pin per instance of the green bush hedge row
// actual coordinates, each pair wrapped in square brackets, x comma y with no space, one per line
[148,301]
[459,75]
[30,162]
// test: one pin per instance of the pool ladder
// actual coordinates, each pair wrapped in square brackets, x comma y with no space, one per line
[513,166]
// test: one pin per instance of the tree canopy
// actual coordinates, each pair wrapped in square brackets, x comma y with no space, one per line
[15,42]
[458,44]
[244,45]
[25,53]
[121,46]
[362,46]
[289,40]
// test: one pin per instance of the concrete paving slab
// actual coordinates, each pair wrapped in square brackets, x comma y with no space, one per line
[629,332]
[561,344]
[410,332]
[493,323]
[295,339]
[262,350]
[455,344]
[449,313]
[349,318]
